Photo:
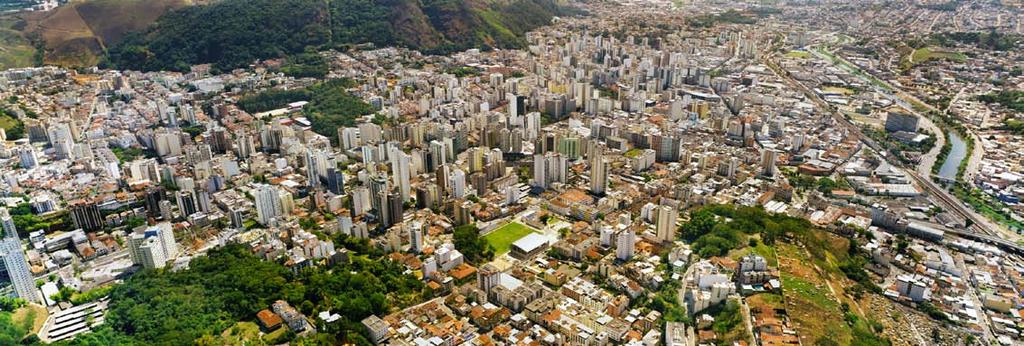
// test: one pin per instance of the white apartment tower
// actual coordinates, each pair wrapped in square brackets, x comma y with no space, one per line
[625,244]
[666,227]
[268,204]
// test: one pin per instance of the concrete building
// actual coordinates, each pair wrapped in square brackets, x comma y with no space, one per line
[7,224]
[666,226]
[752,270]
[153,246]
[376,328]
[268,204]
[625,245]
[768,158]
[598,173]
[895,122]
[16,267]
[529,246]
[86,215]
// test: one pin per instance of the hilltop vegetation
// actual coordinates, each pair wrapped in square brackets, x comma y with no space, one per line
[822,274]
[991,40]
[233,33]
[173,34]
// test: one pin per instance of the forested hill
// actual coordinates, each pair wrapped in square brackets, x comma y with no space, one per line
[233,33]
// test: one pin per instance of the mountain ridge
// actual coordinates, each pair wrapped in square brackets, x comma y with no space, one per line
[233,33]
[174,34]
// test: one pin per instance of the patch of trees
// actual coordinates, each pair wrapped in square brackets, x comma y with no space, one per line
[1012,99]
[1015,126]
[853,267]
[463,71]
[727,318]
[11,303]
[132,153]
[26,222]
[306,65]
[932,311]
[331,106]
[727,17]
[14,128]
[10,334]
[175,308]
[468,241]
[666,300]
[363,21]
[714,230]
[271,99]
[193,130]
[230,34]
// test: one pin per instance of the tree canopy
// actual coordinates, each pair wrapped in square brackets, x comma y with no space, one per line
[714,230]
[162,307]
[331,107]
[471,244]
[234,33]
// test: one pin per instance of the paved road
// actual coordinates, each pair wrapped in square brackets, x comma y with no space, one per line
[928,159]
[974,161]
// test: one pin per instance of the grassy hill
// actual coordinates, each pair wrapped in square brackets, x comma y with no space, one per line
[15,49]
[78,33]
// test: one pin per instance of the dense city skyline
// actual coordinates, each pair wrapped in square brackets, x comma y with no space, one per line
[524,172]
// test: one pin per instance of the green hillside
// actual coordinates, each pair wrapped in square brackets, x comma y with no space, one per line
[233,33]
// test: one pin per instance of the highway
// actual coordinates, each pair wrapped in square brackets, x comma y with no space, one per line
[980,230]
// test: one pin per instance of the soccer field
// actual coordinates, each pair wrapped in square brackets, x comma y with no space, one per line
[503,237]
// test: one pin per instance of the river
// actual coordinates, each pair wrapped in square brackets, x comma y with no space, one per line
[957,153]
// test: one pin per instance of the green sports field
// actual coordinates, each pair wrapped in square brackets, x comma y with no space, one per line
[503,237]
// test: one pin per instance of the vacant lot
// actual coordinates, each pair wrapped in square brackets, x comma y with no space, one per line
[503,237]
[30,318]
[838,90]
[240,333]
[761,250]
[7,122]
